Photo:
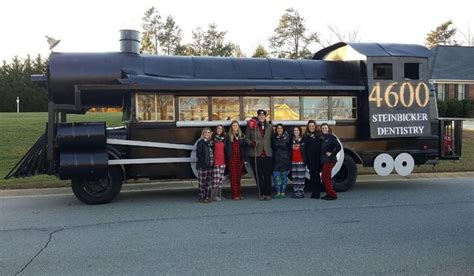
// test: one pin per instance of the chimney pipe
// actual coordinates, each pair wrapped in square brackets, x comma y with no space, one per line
[130,41]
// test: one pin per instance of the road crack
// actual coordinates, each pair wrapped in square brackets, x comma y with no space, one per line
[39,252]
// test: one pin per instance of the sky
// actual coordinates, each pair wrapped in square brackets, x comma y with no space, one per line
[93,25]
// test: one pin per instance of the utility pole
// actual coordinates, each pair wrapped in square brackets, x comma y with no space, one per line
[17,104]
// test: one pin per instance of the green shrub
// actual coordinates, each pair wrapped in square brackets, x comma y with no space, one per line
[454,108]
[468,108]
[442,108]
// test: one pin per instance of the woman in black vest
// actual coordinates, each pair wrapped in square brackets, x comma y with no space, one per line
[329,148]
[313,138]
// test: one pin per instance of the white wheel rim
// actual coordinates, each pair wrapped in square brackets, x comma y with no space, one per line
[383,164]
[404,164]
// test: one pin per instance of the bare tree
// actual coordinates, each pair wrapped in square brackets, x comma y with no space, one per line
[336,35]
[467,38]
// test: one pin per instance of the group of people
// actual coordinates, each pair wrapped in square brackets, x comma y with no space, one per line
[272,153]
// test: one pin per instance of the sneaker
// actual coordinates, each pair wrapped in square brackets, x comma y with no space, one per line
[328,197]
[282,195]
[236,198]
[204,200]
[217,198]
[297,196]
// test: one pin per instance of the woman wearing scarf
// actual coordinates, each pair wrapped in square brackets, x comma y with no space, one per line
[219,163]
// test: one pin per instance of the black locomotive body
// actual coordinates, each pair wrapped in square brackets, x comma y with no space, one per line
[375,96]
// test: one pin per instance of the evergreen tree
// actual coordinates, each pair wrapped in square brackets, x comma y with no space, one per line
[238,52]
[170,37]
[15,82]
[151,30]
[260,52]
[291,38]
[442,35]
[210,42]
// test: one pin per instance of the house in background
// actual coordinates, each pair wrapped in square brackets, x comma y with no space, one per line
[452,72]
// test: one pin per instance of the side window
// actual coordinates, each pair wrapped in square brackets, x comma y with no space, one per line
[316,108]
[153,107]
[286,108]
[344,108]
[252,104]
[193,109]
[441,93]
[383,71]
[146,107]
[225,108]
[412,71]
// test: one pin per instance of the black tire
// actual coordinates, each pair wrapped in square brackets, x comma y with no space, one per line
[101,191]
[346,178]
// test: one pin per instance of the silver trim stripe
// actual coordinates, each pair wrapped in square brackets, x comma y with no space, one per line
[152,160]
[149,144]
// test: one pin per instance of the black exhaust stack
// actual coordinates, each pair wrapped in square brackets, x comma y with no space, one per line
[130,41]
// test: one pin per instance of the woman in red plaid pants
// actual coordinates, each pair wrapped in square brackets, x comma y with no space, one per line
[329,148]
[235,149]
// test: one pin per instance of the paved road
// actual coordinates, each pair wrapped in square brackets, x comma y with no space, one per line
[396,227]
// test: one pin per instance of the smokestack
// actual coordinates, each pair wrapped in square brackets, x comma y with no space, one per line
[130,41]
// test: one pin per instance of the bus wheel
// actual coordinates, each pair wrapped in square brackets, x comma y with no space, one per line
[347,175]
[101,191]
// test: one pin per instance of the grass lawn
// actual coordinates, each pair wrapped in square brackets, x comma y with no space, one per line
[18,132]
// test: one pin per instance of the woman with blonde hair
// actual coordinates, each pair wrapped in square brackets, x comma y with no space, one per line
[235,156]
[204,164]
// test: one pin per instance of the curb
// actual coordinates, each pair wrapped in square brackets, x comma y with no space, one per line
[193,184]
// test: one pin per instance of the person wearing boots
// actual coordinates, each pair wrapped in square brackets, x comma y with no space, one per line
[329,148]
[281,149]
[235,155]
[259,135]
[298,164]
[219,163]
[204,165]
[312,139]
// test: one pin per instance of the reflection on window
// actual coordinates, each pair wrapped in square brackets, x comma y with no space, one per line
[344,108]
[152,107]
[193,109]
[146,107]
[315,108]
[383,71]
[252,104]
[225,108]
[286,108]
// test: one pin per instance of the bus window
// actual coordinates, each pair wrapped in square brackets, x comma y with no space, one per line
[315,108]
[252,104]
[286,108]
[152,107]
[146,107]
[225,108]
[193,109]
[412,71]
[343,108]
[165,107]
[383,71]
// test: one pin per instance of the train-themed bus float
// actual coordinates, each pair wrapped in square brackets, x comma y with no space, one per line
[376,97]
